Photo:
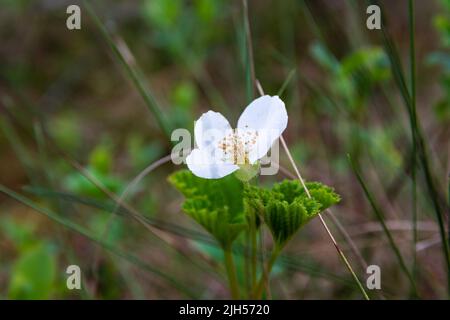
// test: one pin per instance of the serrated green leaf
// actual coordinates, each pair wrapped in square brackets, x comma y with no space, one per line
[286,207]
[217,205]
[323,194]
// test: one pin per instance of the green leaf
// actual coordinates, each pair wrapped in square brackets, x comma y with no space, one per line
[286,207]
[141,151]
[184,95]
[161,13]
[324,57]
[322,194]
[216,204]
[100,158]
[34,274]
[21,233]
[66,130]
[372,60]
[79,184]
[207,10]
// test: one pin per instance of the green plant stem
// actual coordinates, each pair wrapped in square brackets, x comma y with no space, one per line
[133,73]
[254,260]
[266,275]
[448,225]
[231,273]
[247,267]
[286,82]
[380,218]
[250,67]
[349,267]
[421,146]
[414,142]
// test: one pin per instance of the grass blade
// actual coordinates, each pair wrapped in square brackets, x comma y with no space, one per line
[133,73]
[412,60]
[286,260]
[380,217]
[79,229]
[122,211]
[417,135]
[250,75]
[286,82]
[19,148]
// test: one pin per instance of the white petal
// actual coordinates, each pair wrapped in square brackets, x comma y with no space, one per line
[203,165]
[209,129]
[268,117]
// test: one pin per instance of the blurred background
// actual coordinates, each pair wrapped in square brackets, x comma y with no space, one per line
[84,112]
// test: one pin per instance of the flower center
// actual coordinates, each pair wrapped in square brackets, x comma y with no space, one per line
[237,145]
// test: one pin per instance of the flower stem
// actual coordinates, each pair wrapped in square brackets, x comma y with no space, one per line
[412,56]
[253,256]
[266,275]
[231,273]
[253,261]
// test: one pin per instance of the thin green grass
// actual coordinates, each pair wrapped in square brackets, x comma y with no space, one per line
[79,229]
[21,151]
[380,217]
[286,82]
[408,91]
[417,135]
[250,76]
[412,58]
[292,263]
[134,74]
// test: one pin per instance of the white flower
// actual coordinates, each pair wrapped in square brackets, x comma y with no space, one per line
[221,150]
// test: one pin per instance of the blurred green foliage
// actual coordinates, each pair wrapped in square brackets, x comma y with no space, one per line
[353,78]
[33,274]
[341,100]
[442,59]
[100,168]
[183,98]
[185,30]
